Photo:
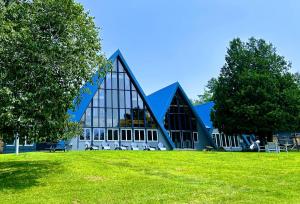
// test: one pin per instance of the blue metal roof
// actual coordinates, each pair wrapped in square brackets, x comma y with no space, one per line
[87,92]
[161,100]
[203,111]
[93,87]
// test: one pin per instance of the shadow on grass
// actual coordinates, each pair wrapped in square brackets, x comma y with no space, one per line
[20,175]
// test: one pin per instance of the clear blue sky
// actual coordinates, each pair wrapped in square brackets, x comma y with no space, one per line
[186,40]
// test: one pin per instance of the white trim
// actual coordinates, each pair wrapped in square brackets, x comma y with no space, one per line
[152,130]
[99,134]
[126,135]
[196,137]
[139,140]
[84,136]
[113,129]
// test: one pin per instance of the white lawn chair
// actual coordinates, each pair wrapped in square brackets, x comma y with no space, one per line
[105,146]
[147,147]
[161,146]
[118,147]
[272,147]
[134,146]
[88,146]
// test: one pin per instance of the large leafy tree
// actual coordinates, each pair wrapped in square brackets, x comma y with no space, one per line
[207,95]
[48,49]
[255,93]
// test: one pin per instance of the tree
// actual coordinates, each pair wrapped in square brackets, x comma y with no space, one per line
[48,49]
[255,93]
[208,93]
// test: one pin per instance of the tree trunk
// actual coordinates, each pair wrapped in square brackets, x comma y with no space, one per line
[17,143]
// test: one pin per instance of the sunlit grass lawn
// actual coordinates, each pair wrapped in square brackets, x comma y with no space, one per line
[150,177]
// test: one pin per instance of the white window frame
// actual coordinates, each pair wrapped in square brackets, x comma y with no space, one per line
[196,137]
[84,136]
[126,135]
[99,134]
[152,130]
[113,129]
[139,140]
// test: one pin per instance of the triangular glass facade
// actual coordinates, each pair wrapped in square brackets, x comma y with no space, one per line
[181,123]
[116,105]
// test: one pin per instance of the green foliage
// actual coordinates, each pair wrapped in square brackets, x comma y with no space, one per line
[255,93]
[207,96]
[48,49]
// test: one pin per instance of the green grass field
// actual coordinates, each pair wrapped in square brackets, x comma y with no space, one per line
[150,177]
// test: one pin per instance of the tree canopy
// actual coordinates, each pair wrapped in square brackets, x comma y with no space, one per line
[255,93]
[207,95]
[48,50]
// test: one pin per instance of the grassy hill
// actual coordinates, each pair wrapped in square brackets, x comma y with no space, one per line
[150,177]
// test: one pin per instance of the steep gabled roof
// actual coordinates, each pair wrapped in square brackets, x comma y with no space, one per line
[161,100]
[87,92]
[203,111]
[93,87]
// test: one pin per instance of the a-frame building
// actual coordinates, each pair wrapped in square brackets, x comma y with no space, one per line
[116,112]
[176,114]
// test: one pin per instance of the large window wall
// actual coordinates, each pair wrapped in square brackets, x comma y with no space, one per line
[181,123]
[117,111]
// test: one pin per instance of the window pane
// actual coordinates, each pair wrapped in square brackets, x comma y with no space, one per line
[96,134]
[154,135]
[136,135]
[114,81]
[195,136]
[115,98]
[116,135]
[102,133]
[141,118]
[140,102]
[81,137]
[149,135]
[123,134]
[109,117]
[108,81]
[134,99]
[128,134]
[121,69]
[114,67]
[122,118]
[88,134]
[108,98]
[135,113]
[128,118]
[101,98]
[127,83]
[95,100]
[115,118]
[121,99]
[121,81]
[109,134]
[88,117]
[102,117]
[96,117]
[142,135]
[127,99]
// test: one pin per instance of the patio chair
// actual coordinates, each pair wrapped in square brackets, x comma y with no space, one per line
[161,146]
[105,146]
[119,147]
[147,147]
[60,146]
[272,147]
[88,146]
[134,146]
